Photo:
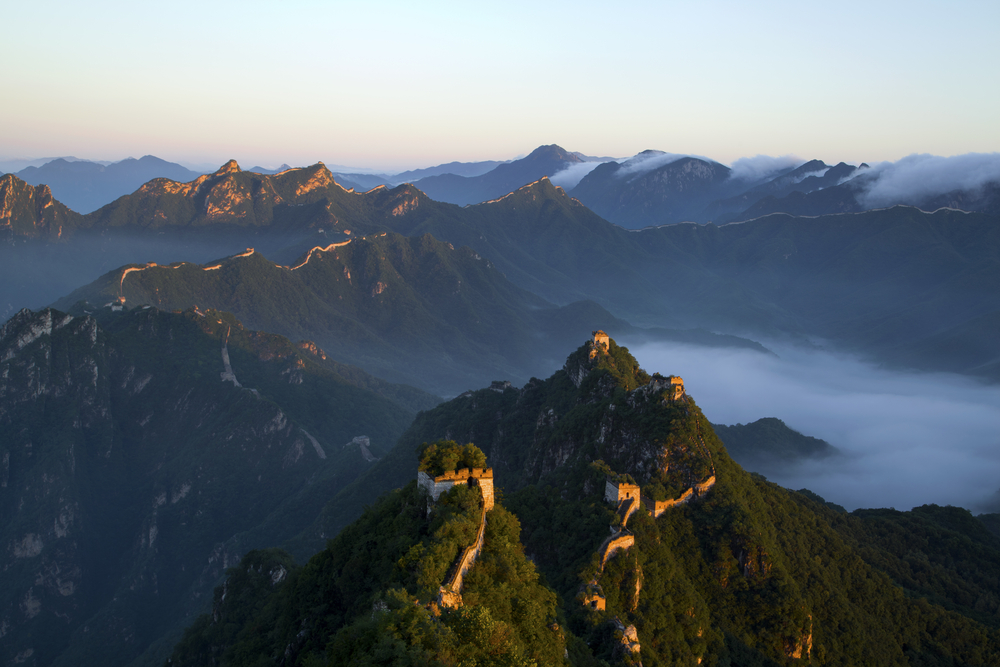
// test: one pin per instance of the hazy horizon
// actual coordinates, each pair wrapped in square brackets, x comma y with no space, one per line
[397,85]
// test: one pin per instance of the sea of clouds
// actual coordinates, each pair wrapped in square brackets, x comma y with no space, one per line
[906,438]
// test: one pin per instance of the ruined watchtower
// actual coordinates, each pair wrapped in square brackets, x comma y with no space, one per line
[481,477]
[673,386]
[601,343]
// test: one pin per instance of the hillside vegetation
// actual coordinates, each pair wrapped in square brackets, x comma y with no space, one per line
[742,573]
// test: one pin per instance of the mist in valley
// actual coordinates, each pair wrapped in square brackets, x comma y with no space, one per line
[906,438]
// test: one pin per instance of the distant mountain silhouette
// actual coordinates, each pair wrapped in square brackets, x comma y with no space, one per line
[502,180]
[86,186]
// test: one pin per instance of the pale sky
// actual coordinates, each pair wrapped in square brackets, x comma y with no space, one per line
[394,85]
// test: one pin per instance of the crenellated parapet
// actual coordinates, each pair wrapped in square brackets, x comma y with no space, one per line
[658,507]
[615,491]
[481,477]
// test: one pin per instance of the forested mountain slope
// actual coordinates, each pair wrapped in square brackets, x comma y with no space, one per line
[145,452]
[731,570]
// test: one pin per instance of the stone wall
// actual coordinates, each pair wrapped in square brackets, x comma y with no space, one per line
[658,507]
[481,477]
[615,492]
[451,591]
[613,544]
[705,486]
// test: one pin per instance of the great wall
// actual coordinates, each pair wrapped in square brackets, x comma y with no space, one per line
[450,592]
[623,492]
[249,251]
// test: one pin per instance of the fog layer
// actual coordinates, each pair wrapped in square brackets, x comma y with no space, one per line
[573,174]
[760,167]
[908,438]
[916,177]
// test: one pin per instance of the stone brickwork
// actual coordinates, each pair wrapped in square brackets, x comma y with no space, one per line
[601,343]
[592,596]
[481,477]
[615,492]
[450,594]
[658,507]
[703,488]
[613,544]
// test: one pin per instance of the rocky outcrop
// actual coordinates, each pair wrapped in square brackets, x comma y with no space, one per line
[31,211]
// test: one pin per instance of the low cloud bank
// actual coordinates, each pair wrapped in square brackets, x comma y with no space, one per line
[645,162]
[908,439]
[919,177]
[573,174]
[762,167]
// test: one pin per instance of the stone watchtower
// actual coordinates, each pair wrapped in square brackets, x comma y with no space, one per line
[616,491]
[677,388]
[601,343]
[481,477]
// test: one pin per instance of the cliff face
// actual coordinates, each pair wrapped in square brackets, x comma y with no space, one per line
[31,212]
[132,474]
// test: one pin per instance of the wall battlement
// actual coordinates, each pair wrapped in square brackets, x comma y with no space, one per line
[481,477]
[615,492]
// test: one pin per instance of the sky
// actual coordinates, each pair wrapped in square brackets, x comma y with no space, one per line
[396,85]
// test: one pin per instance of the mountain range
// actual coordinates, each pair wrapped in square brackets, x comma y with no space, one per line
[86,186]
[839,277]
[648,189]
[138,389]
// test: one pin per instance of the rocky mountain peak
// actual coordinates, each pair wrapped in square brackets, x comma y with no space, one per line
[230,167]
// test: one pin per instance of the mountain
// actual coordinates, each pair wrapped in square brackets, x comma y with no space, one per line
[30,211]
[355,605]
[503,179]
[877,282]
[144,452]
[631,195]
[768,444]
[839,277]
[466,169]
[411,308]
[714,566]
[785,192]
[271,172]
[361,182]
[86,186]
[17,164]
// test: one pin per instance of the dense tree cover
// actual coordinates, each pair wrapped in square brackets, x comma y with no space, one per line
[770,442]
[744,577]
[369,598]
[443,456]
[943,554]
